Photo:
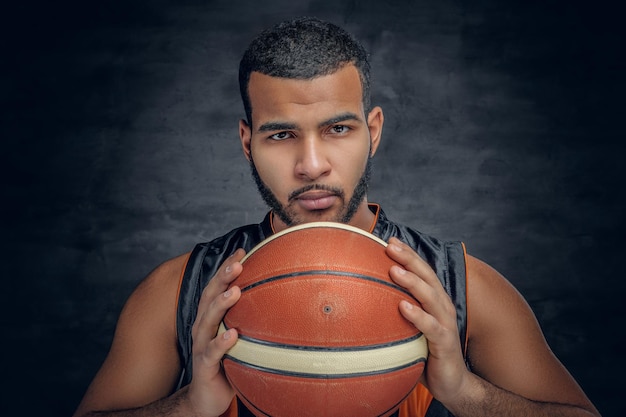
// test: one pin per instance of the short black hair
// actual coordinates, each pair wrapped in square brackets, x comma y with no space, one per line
[304,48]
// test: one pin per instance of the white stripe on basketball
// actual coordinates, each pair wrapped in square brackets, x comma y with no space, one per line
[295,361]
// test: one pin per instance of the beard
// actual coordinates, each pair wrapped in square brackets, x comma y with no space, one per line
[290,218]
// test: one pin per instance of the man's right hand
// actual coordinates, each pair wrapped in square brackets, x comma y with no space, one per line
[209,393]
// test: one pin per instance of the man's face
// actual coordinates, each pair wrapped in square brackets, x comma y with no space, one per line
[309,146]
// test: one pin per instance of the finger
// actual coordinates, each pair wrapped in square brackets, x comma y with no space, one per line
[422,282]
[419,288]
[410,260]
[211,315]
[218,347]
[427,311]
[208,375]
[229,270]
[442,334]
[225,275]
[432,299]
[414,274]
[423,321]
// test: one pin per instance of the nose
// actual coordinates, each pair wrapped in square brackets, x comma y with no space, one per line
[312,162]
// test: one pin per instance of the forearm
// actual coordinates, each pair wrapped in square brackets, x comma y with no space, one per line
[480,398]
[176,405]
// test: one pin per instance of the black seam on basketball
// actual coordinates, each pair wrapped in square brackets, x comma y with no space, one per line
[399,402]
[325,272]
[326,348]
[249,403]
[323,376]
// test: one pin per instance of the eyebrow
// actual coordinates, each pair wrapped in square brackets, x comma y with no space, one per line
[275,126]
[340,118]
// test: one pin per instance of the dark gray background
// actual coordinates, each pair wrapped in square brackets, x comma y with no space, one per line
[504,129]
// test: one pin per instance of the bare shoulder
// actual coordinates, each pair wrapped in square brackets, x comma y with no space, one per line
[489,292]
[495,310]
[152,306]
[161,284]
[142,364]
[155,298]
[506,345]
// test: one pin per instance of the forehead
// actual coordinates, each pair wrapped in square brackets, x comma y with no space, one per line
[285,98]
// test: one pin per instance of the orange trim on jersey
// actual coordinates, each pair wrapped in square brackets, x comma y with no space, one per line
[467,310]
[373,226]
[232,409]
[417,403]
[180,283]
[272,223]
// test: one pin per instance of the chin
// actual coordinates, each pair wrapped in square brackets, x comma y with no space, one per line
[322,216]
[316,216]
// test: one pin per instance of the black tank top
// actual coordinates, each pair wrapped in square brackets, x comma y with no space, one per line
[446,258]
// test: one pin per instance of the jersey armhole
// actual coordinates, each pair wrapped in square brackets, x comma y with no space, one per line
[233,410]
[180,284]
[417,403]
[467,307]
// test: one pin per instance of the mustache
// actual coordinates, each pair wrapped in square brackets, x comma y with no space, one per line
[334,190]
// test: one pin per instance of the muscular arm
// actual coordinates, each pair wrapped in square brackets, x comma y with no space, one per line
[142,364]
[140,373]
[514,373]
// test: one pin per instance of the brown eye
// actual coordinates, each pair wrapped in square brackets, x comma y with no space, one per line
[280,136]
[340,129]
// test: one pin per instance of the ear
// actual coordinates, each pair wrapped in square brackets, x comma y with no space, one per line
[375,120]
[245,134]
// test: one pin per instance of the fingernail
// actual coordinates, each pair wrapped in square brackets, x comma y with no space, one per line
[228,293]
[226,335]
[228,269]
[396,247]
[399,270]
[407,305]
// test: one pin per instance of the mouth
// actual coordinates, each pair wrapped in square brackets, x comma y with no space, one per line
[315,199]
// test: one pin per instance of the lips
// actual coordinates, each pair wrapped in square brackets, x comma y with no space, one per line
[316,200]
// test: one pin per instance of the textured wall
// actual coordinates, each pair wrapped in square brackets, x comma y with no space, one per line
[504,124]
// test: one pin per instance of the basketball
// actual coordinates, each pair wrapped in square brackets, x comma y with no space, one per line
[320,332]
